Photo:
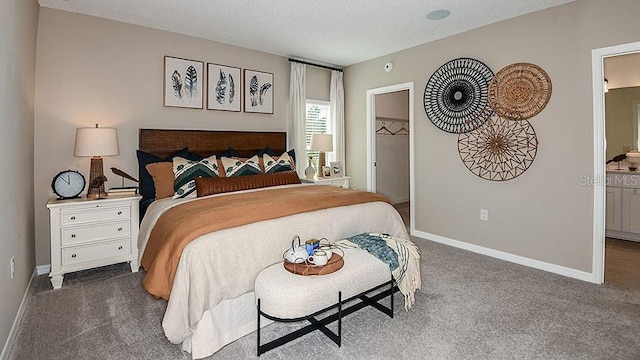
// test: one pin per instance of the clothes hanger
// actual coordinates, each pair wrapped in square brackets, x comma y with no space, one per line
[383,130]
[403,128]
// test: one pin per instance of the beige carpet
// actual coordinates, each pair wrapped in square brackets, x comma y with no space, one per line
[471,307]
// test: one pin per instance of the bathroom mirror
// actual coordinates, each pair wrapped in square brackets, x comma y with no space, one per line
[622,104]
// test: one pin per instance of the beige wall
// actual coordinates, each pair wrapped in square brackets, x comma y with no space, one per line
[546,214]
[91,70]
[18,25]
[621,107]
[394,105]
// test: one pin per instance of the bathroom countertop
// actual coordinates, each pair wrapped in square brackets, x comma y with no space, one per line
[624,171]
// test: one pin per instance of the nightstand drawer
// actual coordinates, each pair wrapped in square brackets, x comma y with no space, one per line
[342,182]
[338,183]
[81,254]
[77,216]
[79,234]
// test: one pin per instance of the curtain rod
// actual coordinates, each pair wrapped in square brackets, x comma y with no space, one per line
[316,65]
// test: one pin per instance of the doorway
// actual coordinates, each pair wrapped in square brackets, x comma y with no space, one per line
[390,149]
[599,191]
[622,236]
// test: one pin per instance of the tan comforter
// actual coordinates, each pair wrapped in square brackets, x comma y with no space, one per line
[183,223]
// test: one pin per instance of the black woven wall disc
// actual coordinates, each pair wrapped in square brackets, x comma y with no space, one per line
[455,98]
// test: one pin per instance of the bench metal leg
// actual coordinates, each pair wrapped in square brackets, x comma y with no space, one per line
[321,324]
[391,295]
[339,318]
[258,327]
[318,324]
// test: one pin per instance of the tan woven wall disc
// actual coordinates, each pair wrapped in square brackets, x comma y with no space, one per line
[500,149]
[519,91]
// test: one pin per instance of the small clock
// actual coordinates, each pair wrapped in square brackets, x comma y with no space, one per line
[68,184]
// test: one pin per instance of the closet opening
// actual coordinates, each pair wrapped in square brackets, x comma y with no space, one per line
[390,147]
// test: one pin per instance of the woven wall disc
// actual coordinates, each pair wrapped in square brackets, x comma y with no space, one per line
[500,149]
[455,98]
[519,91]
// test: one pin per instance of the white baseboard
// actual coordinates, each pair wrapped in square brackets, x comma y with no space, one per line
[43,269]
[400,201]
[16,322]
[536,264]
[622,235]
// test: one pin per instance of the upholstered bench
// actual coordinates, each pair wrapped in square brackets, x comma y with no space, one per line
[287,297]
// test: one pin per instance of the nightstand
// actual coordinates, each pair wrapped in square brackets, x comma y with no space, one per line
[87,233]
[342,182]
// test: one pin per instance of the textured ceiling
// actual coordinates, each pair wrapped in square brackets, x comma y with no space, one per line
[338,32]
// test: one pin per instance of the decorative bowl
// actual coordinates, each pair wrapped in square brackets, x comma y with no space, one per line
[633,159]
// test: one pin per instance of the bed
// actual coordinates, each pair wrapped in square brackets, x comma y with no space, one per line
[211,300]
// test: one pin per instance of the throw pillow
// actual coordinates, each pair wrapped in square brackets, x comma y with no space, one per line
[267,151]
[211,186]
[230,152]
[185,171]
[277,164]
[162,174]
[147,189]
[292,154]
[241,167]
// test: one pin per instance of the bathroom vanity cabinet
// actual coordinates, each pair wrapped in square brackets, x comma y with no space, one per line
[623,205]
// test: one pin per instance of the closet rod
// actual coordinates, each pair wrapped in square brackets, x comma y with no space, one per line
[316,65]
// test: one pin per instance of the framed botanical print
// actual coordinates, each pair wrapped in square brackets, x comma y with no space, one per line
[183,83]
[224,88]
[258,92]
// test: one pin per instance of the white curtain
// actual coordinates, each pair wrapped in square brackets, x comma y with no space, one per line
[336,103]
[297,115]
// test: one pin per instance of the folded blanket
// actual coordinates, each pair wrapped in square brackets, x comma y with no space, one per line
[401,255]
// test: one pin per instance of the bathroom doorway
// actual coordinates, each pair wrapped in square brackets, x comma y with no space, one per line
[622,237]
[600,147]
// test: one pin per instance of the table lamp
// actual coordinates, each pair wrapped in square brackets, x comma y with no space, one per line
[322,143]
[96,142]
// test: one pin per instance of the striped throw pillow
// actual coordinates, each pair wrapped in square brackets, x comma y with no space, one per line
[185,171]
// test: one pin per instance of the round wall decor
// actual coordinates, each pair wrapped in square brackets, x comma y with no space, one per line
[455,98]
[500,149]
[519,91]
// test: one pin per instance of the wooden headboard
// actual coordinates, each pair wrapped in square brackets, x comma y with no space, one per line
[164,142]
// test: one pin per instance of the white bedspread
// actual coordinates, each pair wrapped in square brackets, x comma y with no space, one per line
[235,256]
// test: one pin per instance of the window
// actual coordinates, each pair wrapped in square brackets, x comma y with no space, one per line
[318,122]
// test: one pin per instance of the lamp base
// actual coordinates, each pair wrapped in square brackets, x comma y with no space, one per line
[96,196]
[322,161]
[96,179]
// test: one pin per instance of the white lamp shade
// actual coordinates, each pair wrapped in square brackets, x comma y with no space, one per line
[96,142]
[322,142]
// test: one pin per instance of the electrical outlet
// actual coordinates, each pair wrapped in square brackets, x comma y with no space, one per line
[484,214]
[13,266]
